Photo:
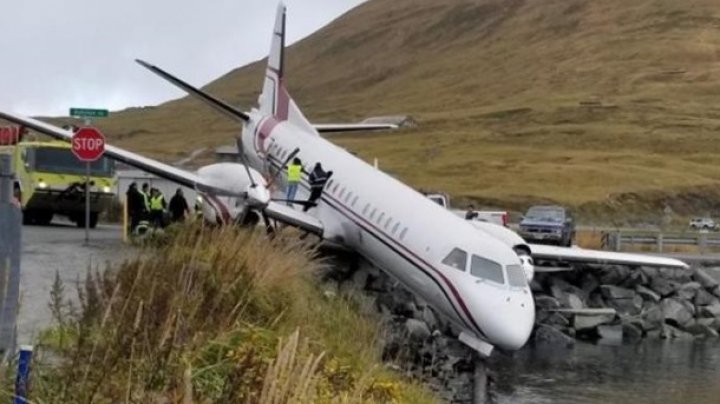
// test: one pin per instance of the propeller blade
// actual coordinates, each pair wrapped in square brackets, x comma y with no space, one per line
[245,163]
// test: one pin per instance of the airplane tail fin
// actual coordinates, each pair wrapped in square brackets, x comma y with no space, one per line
[275,100]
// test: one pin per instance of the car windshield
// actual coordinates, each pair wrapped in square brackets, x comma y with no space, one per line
[63,161]
[456,259]
[485,269]
[547,214]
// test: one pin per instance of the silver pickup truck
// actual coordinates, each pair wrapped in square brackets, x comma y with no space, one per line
[495,217]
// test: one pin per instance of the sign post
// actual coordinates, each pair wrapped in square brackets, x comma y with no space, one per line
[88,145]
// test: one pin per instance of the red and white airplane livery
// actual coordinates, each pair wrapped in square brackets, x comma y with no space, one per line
[476,277]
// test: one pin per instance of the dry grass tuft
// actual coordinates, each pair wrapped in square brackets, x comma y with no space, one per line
[200,317]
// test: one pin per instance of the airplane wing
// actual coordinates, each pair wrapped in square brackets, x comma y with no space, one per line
[274,210]
[352,127]
[576,255]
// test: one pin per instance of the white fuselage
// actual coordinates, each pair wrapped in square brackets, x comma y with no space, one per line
[403,233]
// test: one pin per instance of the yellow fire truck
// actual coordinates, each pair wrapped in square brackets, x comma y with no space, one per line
[50,181]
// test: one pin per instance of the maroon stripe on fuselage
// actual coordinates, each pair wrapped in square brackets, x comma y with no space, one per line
[219,207]
[449,285]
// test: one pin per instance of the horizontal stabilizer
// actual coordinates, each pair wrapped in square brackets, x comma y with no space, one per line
[352,127]
[576,255]
[217,104]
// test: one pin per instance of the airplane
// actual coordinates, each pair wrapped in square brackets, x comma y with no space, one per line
[475,277]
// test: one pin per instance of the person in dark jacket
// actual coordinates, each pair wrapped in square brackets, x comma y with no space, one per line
[471,214]
[318,178]
[179,208]
[135,205]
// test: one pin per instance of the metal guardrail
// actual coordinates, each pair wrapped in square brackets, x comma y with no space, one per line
[10,252]
[616,241]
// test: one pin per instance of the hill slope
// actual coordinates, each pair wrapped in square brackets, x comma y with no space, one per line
[576,101]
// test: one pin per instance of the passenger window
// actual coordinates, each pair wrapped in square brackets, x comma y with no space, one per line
[348,196]
[388,223]
[365,209]
[486,269]
[516,276]
[335,187]
[395,228]
[402,234]
[456,259]
[381,217]
[354,201]
[372,215]
[342,191]
[329,184]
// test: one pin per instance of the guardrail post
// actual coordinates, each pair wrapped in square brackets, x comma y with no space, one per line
[10,252]
[22,381]
[660,238]
[702,242]
[618,241]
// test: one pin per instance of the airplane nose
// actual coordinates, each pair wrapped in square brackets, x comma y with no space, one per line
[512,324]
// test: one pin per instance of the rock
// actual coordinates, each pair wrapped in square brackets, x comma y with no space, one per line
[652,319]
[610,333]
[544,334]
[647,294]
[596,301]
[546,302]
[702,330]
[711,311]
[429,317]
[627,306]
[535,286]
[586,322]
[688,290]
[662,286]
[707,281]
[588,283]
[649,272]
[631,332]
[678,275]
[704,298]
[613,275]
[675,312]
[360,279]
[669,332]
[556,319]
[574,302]
[634,279]
[417,330]
[616,292]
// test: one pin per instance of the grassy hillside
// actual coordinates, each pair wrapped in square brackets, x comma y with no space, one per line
[596,104]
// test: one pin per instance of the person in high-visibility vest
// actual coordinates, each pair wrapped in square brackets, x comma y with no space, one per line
[294,175]
[157,208]
[145,192]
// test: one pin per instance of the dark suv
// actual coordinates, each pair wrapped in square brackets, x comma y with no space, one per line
[548,225]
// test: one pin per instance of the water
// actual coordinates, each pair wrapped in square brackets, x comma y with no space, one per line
[651,372]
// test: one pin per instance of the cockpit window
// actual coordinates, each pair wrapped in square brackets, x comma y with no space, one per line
[456,259]
[486,269]
[516,276]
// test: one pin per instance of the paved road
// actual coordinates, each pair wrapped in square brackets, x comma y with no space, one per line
[48,249]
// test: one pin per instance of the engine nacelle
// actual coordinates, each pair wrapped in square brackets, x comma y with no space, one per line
[232,178]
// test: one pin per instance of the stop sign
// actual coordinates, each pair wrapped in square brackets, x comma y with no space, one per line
[88,144]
